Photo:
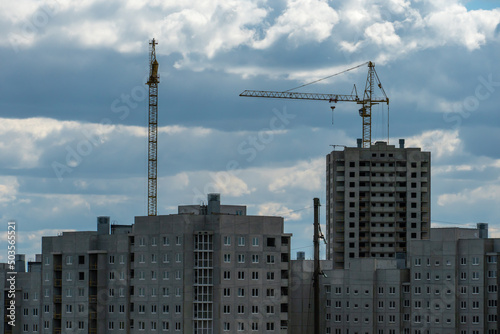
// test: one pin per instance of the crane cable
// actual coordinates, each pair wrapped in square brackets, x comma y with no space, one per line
[315,81]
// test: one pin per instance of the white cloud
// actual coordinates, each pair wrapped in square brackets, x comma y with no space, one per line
[480,194]
[301,22]
[230,185]
[383,34]
[440,142]
[209,27]
[305,175]
[277,209]
[454,24]
[9,188]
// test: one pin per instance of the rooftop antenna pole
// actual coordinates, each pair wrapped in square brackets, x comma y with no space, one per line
[316,266]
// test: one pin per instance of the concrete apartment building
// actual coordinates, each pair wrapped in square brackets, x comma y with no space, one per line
[453,284]
[207,269]
[378,200]
[447,285]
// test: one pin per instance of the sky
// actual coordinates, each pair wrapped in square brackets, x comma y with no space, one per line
[73,106]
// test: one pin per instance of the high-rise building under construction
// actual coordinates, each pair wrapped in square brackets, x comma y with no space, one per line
[378,200]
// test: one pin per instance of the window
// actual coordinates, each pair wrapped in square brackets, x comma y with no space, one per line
[463,261]
[241,275]
[69,260]
[255,241]
[255,309]
[475,261]
[270,276]
[475,275]
[178,240]
[227,275]
[255,292]
[241,258]
[241,241]
[270,292]
[227,292]
[166,241]
[241,292]
[227,258]
[270,259]
[271,242]
[227,241]
[255,275]
[255,258]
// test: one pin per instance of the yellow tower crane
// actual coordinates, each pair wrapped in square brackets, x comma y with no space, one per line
[368,100]
[153,81]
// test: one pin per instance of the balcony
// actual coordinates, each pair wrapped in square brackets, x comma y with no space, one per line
[57,267]
[364,228]
[58,282]
[92,315]
[57,330]
[57,298]
[93,266]
[57,315]
[92,283]
[93,299]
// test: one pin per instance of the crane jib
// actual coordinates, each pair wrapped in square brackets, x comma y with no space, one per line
[308,96]
[367,101]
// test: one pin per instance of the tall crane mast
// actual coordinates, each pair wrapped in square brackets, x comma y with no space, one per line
[153,81]
[366,102]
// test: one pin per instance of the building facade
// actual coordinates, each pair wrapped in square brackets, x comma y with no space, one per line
[447,285]
[208,269]
[378,200]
